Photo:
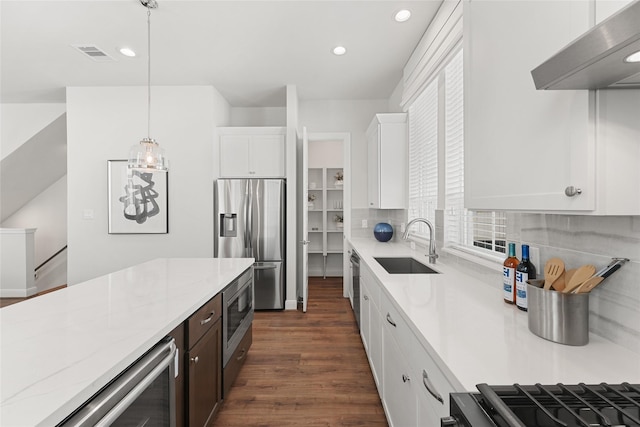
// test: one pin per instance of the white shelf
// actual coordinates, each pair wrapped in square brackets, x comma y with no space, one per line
[327,196]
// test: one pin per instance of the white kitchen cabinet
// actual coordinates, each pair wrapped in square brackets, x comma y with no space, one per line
[525,149]
[398,396]
[387,152]
[370,323]
[252,152]
[523,146]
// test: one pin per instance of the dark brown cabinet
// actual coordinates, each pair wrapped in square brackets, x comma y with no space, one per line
[203,362]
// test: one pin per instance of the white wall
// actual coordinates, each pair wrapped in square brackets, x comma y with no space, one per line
[346,116]
[258,116]
[20,122]
[47,213]
[102,124]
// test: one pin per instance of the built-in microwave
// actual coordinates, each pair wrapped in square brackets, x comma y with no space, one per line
[237,312]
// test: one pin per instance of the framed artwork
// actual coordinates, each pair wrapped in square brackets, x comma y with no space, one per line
[138,200]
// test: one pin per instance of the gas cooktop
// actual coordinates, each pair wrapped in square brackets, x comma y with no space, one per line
[547,405]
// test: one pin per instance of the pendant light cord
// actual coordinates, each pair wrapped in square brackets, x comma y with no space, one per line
[148,72]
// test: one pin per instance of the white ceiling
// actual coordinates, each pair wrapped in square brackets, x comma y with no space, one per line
[248,50]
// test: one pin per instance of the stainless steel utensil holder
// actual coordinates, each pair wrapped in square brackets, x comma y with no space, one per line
[556,316]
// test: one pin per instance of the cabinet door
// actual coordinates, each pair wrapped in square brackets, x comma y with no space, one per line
[204,366]
[234,156]
[399,397]
[524,147]
[266,156]
[375,344]
[365,305]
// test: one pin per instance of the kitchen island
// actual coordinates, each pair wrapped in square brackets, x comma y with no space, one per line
[58,350]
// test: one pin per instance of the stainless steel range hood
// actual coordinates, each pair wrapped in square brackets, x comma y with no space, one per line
[595,60]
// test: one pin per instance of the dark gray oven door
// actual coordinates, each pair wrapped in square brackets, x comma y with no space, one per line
[238,307]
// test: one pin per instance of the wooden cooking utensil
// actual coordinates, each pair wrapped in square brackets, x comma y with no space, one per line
[582,273]
[553,269]
[560,282]
[589,284]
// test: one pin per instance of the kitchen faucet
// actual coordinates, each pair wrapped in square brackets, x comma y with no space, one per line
[432,238]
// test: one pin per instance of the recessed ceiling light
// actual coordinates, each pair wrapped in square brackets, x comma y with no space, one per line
[339,50]
[127,51]
[403,15]
[634,57]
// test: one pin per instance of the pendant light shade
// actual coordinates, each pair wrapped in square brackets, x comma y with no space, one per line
[147,154]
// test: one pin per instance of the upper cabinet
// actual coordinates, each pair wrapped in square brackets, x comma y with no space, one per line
[564,151]
[387,161]
[252,152]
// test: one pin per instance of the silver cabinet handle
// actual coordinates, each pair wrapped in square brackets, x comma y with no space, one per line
[208,319]
[194,359]
[241,354]
[390,320]
[405,378]
[572,191]
[430,388]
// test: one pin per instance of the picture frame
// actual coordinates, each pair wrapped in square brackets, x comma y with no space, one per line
[138,200]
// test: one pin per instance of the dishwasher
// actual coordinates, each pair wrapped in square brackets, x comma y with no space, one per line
[355,271]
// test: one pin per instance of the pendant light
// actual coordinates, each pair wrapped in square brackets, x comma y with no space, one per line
[148,154]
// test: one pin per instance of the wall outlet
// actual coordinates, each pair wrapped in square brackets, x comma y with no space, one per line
[365,223]
[534,257]
[87,214]
[402,227]
[413,246]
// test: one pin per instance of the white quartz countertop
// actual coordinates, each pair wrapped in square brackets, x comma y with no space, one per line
[477,338]
[59,349]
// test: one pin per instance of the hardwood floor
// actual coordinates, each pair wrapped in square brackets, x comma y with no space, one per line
[4,302]
[305,369]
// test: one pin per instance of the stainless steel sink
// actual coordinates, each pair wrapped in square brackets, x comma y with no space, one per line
[404,265]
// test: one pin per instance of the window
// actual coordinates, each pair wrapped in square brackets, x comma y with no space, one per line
[436,120]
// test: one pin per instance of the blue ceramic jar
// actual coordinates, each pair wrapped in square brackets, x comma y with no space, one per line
[383,232]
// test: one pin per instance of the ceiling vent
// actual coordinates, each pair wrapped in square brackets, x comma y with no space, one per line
[93,52]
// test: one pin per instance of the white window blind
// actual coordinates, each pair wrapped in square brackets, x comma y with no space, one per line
[423,157]
[485,230]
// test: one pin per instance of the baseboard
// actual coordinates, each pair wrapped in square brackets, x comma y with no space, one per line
[291,304]
[18,293]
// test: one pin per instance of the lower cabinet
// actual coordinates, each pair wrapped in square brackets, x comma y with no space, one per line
[398,394]
[204,380]
[413,388]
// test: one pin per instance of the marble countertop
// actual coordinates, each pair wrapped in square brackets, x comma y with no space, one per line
[59,349]
[477,338]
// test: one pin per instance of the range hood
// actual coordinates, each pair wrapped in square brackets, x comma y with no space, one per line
[596,59]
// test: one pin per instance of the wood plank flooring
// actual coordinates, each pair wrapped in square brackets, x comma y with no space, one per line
[305,369]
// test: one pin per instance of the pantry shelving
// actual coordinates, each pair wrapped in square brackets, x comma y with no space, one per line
[325,221]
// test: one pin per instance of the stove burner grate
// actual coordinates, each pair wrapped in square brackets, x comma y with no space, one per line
[562,405]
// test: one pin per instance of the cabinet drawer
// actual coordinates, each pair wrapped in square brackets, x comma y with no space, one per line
[430,380]
[237,360]
[372,285]
[203,319]
[396,325]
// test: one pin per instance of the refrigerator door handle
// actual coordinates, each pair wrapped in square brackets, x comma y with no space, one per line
[247,226]
[259,266]
[250,197]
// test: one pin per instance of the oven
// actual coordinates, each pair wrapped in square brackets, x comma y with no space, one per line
[237,313]
[546,405]
[143,395]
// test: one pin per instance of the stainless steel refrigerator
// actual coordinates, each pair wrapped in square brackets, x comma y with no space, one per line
[250,223]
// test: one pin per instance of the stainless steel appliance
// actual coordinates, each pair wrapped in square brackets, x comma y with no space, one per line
[237,313]
[250,222]
[143,395]
[355,271]
[548,405]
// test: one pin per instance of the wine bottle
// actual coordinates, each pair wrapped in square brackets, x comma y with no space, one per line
[524,271]
[509,275]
